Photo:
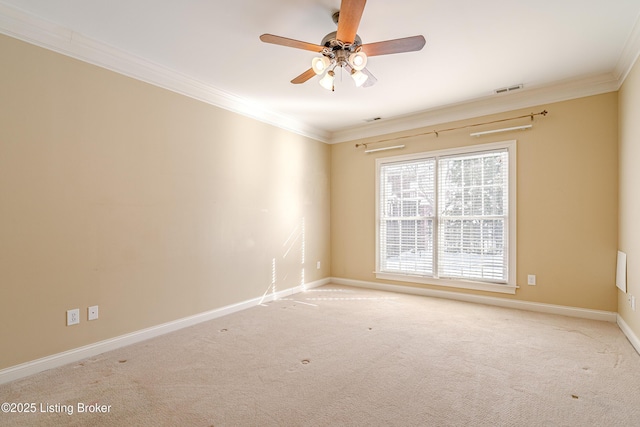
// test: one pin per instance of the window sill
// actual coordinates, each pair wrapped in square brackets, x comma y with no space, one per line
[461,284]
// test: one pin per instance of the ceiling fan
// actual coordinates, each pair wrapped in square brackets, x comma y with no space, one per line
[344,48]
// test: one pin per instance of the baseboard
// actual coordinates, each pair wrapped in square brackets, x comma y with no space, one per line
[631,336]
[584,313]
[33,367]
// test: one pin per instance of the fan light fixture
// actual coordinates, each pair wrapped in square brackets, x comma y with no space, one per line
[320,64]
[358,60]
[355,63]
[327,81]
[359,77]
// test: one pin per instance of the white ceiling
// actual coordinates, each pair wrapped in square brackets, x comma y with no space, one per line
[211,50]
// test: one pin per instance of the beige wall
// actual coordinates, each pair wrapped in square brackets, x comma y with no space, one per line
[629,157]
[147,203]
[567,201]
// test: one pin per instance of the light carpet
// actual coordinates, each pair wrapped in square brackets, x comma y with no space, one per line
[351,357]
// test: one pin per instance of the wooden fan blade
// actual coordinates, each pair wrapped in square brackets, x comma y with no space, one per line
[371,80]
[407,44]
[349,19]
[283,41]
[304,77]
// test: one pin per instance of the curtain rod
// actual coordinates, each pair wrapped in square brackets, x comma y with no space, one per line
[438,132]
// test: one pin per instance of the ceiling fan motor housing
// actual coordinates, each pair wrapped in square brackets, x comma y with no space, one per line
[336,49]
[332,42]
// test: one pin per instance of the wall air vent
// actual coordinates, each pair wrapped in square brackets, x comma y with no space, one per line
[508,89]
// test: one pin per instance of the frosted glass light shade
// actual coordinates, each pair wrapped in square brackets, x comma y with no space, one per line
[359,77]
[358,60]
[320,64]
[327,81]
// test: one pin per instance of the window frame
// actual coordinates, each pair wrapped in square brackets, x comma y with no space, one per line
[510,286]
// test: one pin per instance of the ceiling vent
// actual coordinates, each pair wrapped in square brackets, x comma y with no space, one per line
[508,89]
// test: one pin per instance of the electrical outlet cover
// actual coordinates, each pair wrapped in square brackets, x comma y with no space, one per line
[73,317]
[92,312]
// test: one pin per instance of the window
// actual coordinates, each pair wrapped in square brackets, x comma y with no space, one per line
[448,217]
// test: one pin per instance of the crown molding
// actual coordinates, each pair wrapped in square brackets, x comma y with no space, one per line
[493,104]
[630,54]
[28,28]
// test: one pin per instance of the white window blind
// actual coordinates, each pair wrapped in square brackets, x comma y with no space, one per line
[407,209]
[445,215]
[473,207]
